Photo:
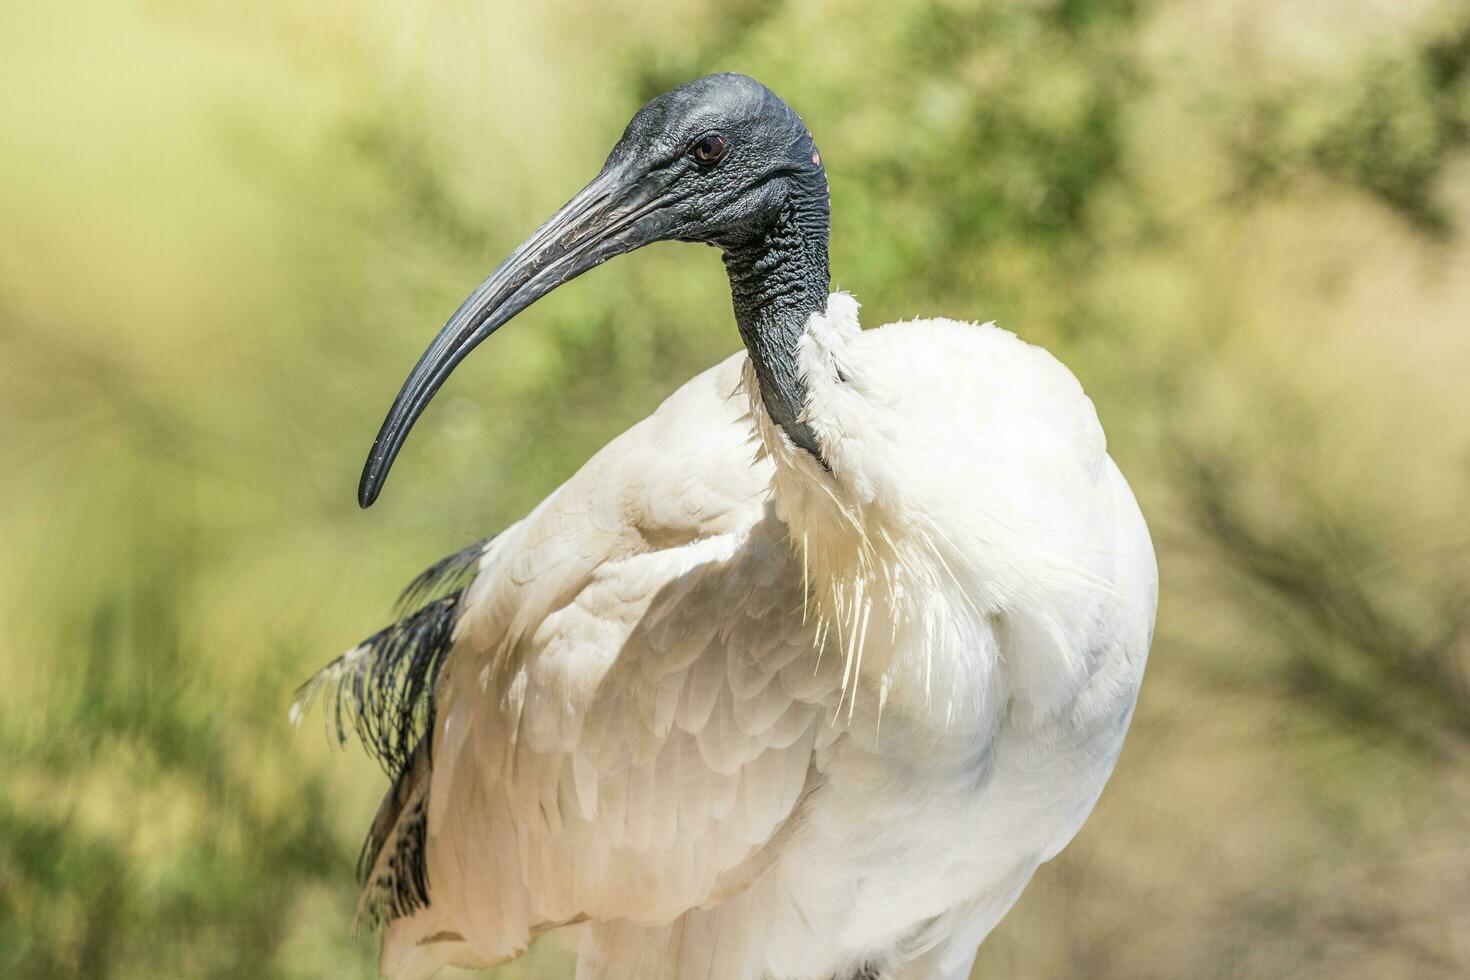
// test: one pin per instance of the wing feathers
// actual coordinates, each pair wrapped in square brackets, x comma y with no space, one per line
[627,707]
[631,789]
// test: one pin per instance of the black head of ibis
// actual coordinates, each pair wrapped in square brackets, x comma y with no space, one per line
[720,160]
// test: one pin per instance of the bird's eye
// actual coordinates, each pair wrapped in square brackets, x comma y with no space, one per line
[708,149]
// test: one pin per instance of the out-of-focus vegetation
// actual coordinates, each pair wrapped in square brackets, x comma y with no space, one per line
[228,230]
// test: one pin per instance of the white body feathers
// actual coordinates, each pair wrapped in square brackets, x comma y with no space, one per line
[751,717]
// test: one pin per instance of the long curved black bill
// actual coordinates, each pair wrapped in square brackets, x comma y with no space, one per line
[610,216]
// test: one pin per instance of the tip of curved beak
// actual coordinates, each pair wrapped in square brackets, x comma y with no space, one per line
[371,482]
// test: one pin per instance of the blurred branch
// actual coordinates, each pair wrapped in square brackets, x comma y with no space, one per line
[1356,651]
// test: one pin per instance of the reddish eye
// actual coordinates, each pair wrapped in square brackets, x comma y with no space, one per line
[709,148]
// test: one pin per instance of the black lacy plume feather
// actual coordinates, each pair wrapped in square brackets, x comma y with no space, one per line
[401,886]
[452,572]
[383,688]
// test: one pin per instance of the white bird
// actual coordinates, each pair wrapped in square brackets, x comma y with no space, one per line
[799,678]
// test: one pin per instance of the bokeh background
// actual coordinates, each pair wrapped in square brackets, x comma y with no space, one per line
[227,230]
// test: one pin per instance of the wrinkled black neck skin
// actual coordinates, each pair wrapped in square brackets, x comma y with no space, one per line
[778,279]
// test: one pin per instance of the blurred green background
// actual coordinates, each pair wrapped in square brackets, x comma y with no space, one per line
[227,230]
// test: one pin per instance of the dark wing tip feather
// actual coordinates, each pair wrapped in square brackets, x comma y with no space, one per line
[395,872]
[383,688]
[445,575]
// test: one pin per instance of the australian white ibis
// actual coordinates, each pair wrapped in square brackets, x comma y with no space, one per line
[799,678]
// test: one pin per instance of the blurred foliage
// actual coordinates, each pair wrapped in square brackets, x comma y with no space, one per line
[1390,127]
[230,230]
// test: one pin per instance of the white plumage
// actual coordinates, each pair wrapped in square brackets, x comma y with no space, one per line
[749,716]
